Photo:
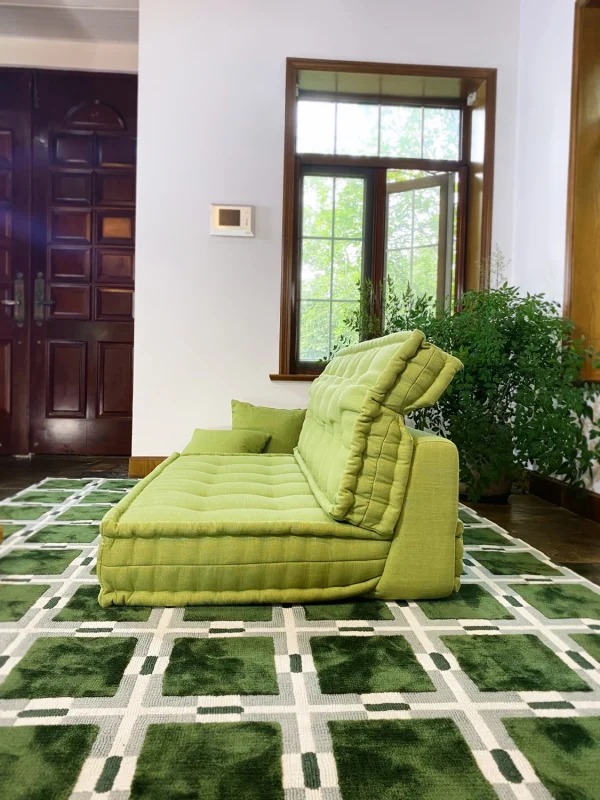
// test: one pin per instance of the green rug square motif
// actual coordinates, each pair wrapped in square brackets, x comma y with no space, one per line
[84,606]
[22,512]
[15,601]
[565,754]
[477,536]
[39,496]
[74,484]
[426,759]
[361,610]
[65,534]
[210,762]
[590,643]
[118,483]
[513,563]
[83,513]
[360,665]
[221,666]
[43,762]
[515,663]
[561,601]
[352,700]
[8,529]
[70,667]
[37,562]
[102,497]
[472,602]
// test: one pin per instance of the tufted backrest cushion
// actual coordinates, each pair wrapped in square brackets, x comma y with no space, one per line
[354,449]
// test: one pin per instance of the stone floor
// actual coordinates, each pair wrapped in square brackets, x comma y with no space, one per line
[568,539]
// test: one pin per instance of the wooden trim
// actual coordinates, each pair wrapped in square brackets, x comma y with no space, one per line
[384,68]
[377,162]
[488,177]
[378,235]
[579,501]
[286,337]
[140,466]
[572,157]
[461,234]
[476,75]
[382,99]
[297,377]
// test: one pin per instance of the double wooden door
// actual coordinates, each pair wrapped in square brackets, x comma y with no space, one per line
[67,246]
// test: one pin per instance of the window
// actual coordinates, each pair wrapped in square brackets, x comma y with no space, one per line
[370,128]
[333,251]
[376,183]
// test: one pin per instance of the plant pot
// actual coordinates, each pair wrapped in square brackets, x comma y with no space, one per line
[497,493]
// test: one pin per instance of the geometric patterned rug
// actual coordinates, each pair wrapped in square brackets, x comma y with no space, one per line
[494,692]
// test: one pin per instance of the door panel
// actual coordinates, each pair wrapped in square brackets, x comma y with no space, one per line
[15,184]
[420,235]
[84,130]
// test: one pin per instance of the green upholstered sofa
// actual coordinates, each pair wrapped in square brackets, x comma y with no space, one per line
[364,506]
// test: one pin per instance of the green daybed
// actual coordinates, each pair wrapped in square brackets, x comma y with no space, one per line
[364,505]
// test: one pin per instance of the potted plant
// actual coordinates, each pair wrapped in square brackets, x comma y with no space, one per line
[518,404]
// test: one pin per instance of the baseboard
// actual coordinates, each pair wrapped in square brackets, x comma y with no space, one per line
[579,501]
[140,466]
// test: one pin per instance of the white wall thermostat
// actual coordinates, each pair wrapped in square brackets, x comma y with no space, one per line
[231,220]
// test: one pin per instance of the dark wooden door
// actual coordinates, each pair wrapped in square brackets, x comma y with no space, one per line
[15,183]
[82,266]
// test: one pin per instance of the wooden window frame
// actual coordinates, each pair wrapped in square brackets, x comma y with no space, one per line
[468,275]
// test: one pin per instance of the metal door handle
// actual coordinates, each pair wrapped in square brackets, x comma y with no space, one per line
[39,291]
[18,301]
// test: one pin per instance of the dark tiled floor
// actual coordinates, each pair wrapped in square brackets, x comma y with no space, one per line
[18,473]
[568,539]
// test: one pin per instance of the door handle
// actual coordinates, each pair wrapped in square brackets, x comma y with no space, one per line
[18,301]
[39,292]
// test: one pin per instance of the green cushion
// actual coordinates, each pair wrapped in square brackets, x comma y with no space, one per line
[283,424]
[206,442]
[231,528]
[354,448]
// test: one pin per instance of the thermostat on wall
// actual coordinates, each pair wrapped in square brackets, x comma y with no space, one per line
[231,220]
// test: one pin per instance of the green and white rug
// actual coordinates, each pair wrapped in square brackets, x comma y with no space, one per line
[492,693]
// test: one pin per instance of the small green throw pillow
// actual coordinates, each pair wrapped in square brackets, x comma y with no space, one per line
[283,424]
[206,442]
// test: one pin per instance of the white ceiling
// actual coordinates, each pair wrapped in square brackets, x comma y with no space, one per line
[75,20]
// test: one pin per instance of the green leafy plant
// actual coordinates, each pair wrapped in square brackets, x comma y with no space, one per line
[519,402]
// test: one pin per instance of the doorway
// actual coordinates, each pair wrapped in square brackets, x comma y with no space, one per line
[67,251]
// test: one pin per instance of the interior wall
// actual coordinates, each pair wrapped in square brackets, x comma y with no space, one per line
[543,133]
[42,53]
[211,120]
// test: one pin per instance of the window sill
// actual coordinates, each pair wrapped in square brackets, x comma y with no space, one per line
[277,377]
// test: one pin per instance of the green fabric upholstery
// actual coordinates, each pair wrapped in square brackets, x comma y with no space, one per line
[282,424]
[221,528]
[205,442]
[364,505]
[354,449]
[247,529]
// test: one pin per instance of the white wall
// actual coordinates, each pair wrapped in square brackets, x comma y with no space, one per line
[211,120]
[543,132]
[22,51]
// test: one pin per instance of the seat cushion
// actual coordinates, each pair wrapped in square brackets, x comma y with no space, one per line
[225,529]
[354,449]
[224,494]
